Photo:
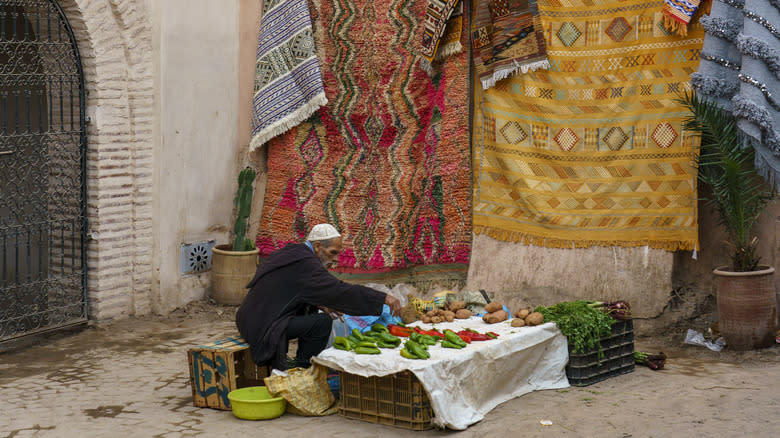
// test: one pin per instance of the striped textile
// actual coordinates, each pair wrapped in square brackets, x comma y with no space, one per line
[288,83]
[506,38]
[678,13]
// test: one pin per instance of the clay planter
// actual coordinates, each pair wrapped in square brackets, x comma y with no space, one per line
[231,271]
[746,307]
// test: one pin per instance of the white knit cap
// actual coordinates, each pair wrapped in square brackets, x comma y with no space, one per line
[323,232]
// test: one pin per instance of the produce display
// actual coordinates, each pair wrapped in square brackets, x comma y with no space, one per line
[584,322]
[495,313]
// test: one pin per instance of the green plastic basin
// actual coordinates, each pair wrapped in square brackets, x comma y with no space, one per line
[255,403]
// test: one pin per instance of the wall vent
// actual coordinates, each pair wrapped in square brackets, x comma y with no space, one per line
[196,257]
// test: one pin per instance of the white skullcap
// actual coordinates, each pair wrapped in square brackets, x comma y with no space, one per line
[323,232]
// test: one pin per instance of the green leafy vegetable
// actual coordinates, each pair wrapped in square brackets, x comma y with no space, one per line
[583,325]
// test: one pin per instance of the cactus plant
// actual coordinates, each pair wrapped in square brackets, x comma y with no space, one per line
[243,201]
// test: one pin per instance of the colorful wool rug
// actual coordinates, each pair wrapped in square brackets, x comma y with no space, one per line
[387,161]
[288,84]
[592,152]
[506,38]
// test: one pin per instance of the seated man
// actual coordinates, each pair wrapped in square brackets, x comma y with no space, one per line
[286,292]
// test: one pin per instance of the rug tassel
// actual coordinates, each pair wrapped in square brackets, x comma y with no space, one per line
[449,50]
[513,70]
[290,121]
[547,242]
[675,26]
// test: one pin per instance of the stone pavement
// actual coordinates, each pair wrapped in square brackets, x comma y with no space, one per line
[130,379]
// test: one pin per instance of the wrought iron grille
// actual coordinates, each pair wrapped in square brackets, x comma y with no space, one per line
[42,171]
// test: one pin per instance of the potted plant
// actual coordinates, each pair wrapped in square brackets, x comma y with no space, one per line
[745,290]
[233,265]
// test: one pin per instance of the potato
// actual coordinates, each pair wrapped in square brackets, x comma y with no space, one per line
[493,307]
[457,305]
[498,316]
[463,314]
[409,313]
[535,318]
[430,313]
[518,322]
[450,318]
[426,319]
[522,313]
[436,320]
[448,314]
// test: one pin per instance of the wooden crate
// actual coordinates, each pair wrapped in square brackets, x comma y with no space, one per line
[220,367]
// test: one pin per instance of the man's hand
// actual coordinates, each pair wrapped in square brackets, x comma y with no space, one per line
[394,304]
[333,313]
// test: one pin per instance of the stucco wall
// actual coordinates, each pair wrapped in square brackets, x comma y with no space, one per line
[198,113]
[162,82]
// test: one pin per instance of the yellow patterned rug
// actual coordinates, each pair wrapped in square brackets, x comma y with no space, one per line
[591,152]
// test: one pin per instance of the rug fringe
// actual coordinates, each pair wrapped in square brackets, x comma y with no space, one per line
[512,70]
[672,24]
[290,121]
[450,49]
[548,242]
[426,66]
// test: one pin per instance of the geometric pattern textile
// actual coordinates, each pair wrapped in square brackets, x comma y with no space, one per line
[288,84]
[591,152]
[507,38]
[387,160]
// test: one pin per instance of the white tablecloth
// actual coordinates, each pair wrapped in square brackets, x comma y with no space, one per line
[464,385]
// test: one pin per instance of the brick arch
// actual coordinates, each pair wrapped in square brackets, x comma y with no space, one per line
[115,42]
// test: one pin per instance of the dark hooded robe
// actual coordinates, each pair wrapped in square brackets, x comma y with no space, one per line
[285,285]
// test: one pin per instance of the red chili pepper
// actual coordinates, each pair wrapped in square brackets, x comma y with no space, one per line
[493,335]
[429,332]
[474,336]
[396,330]
[465,338]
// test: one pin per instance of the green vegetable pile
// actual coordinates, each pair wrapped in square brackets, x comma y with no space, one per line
[583,325]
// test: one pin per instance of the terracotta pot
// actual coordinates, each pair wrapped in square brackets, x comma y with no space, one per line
[747,310]
[231,271]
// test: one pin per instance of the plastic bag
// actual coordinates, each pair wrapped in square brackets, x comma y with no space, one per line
[695,338]
[306,390]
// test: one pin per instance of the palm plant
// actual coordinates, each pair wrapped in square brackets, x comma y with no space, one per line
[725,161]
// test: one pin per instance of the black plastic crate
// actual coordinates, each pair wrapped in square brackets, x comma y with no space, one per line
[586,368]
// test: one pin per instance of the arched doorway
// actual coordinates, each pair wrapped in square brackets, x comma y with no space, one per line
[42,171]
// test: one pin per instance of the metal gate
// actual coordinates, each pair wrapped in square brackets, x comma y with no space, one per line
[42,171]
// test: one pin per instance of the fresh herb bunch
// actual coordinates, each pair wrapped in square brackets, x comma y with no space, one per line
[583,325]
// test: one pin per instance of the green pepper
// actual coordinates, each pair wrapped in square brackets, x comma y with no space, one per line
[387,337]
[454,338]
[416,349]
[405,353]
[341,343]
[428,340]
[353,341]
[367,350]
[379,328]
[415,337]
[382,344]
[447,344]
[366,344]
[356,333]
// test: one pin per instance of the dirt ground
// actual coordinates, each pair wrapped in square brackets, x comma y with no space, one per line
[130,379]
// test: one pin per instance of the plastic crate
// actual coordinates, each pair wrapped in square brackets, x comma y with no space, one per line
[587,368]
[396,400]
